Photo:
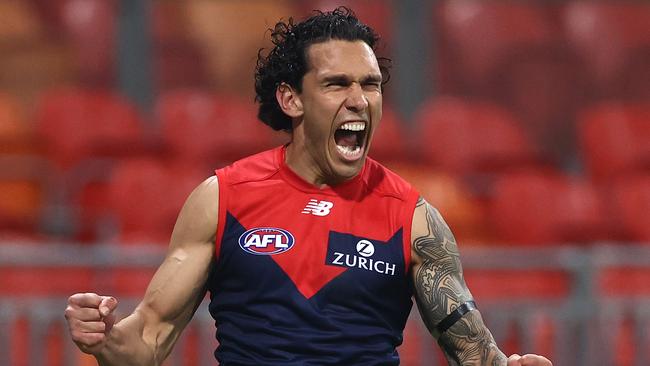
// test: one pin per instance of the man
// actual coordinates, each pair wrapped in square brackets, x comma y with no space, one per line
[311,251]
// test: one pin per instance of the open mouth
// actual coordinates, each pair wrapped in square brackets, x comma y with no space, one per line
[350,138]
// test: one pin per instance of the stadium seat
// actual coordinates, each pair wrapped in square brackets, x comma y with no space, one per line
[378,14]
[464,213]
[390,142]
[205,128]
[231,59]
[466,137]
[19,23]
[94,50]
[548,208]
[631,204]
[135,191]
[24,194]
[512,52]
[16,133]
[615,139]
[79,124]
[613,41]
[179,62]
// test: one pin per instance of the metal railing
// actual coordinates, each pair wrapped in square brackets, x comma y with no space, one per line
[589,324]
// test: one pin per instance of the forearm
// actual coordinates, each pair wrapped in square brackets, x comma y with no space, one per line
[469,342]
[131,343]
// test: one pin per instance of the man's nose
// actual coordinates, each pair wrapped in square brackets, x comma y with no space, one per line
[356,100]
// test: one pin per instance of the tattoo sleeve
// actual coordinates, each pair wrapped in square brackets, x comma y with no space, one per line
[440,289]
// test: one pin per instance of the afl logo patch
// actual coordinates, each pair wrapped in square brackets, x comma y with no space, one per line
[266,241]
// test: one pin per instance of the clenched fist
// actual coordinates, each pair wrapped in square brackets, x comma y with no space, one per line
[528,360]
[90,318]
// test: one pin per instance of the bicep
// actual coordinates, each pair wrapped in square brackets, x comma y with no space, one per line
[440,290]
[178,285]
[437,272]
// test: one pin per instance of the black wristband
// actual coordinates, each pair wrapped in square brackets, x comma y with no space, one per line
[455,315]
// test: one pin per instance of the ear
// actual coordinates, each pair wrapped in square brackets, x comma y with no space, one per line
[289,100]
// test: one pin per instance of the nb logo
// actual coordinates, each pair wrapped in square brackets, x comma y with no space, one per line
[318,208]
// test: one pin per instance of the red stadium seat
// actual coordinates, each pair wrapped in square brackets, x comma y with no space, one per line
[615,139]
[631,205]
[94,50]
[378,14]
[512,52]
[390,142]
[179,62]
[613,41]
[79,124]
[546,208]
[205,128]
[136,189]
[506,29]
[471,137]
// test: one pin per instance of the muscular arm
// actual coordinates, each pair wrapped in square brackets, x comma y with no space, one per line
[440,289]
[147,336]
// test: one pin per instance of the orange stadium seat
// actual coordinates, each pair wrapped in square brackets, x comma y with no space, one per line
[205,128]
[19,22]
[16,133]
[631,205]
[613,41]
[615,139]
[464,213]
[79,124]
[231,59]
[468,137]
[135,190]
[547,208]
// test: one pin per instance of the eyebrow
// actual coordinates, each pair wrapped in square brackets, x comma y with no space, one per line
[342,78]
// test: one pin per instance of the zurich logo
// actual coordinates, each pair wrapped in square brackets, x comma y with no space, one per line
[266,241]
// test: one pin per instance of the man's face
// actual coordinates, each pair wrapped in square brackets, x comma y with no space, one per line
[341,103]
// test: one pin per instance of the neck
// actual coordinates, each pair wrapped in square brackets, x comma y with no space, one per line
[302,163]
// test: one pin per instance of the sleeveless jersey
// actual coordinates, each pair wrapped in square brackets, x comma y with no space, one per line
[309,276]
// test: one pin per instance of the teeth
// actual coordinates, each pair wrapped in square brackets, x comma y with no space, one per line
[354,126]
[348,150]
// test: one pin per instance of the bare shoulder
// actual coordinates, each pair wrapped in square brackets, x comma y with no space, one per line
[198,219]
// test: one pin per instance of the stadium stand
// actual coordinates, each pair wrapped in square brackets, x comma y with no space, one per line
[539,207]
[612,39]
[476,140]
[230,60]
[631,204]
[390,141]
[178,61]
[211,129]
[513,53]
[77,124]
[93,51]
[614,139]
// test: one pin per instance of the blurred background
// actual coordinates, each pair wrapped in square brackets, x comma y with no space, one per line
[527,123]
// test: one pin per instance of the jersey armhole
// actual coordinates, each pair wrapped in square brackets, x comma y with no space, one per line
[409,209]
[221,217]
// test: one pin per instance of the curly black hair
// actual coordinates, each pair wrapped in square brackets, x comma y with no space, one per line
[287,63]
